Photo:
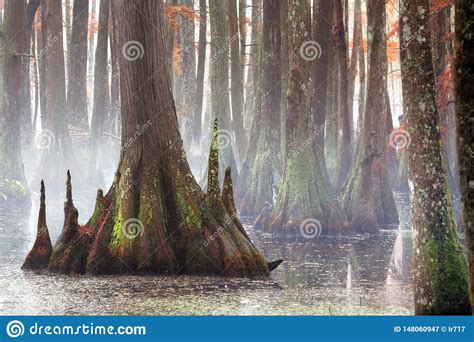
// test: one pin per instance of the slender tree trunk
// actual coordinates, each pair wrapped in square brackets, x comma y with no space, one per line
[201,68]
[464,88]
[331,114]
[322,28]
[101,95]
[237,82]
[361,60]
[57,153]
[251,88]
[116,51]
[77,71]
[285,70]
[344,150]
[354,60]
[439,265]
[13,186]
[220,82]
[25,92]
[91,44]
[368,199]
[189,74]
[159,221]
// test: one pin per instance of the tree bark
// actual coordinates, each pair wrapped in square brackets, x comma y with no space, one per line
[158,221]
[251,88]
[322,29]
[439,265]
[265,173]
[189,74]
[303,194]
[344,150]
[57,153]
[77,71]
[464,88]
[236,81]
[201,68]
[368,199]
[13,185]
[101,106]
[220,83]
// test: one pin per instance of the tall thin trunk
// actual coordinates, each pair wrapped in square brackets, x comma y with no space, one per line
[251,88]
[439,266]
[322,28]
[464,88]
[57,153]
[77,70]
[189,74]
[236,81]
[344,150]
[285,70]
[201,68]
[13,185]
[220,82]
[101,94]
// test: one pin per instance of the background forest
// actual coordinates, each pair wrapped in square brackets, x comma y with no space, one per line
[329,142]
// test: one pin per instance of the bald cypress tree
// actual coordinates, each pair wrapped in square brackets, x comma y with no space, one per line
[464,88]
[155,218]
[368,199]
[439,264]
[13,186]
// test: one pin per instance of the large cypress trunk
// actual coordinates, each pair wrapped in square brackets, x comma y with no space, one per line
[304,196]
[265,173]
[77,70]
[368,199]
[13,185]
[464,88]
[155,218]
[439,265]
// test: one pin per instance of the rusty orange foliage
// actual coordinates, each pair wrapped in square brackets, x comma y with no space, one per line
[438,5]
[172,12]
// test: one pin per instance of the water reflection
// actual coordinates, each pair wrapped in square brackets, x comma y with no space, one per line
[322,276]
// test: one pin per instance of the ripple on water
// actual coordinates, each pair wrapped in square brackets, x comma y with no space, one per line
[320,276]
